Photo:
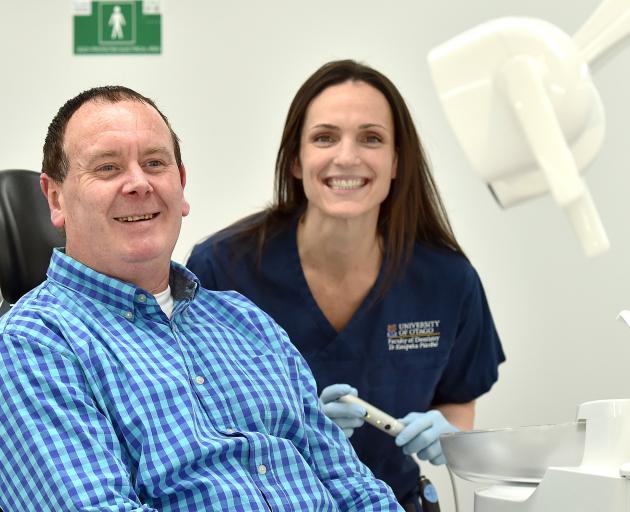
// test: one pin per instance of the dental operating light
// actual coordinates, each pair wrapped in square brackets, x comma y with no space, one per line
[520,99]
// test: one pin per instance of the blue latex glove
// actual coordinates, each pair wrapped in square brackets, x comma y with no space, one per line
[346,416]
[421,435]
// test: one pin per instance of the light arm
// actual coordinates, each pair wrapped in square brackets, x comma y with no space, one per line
[521,82]
[604,31]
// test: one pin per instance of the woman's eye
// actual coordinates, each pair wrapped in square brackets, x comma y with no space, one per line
[373,139]
[323,139]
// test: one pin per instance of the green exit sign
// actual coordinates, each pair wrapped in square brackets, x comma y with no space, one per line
[116,27]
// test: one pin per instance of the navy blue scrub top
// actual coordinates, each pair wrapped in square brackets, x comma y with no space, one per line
[430,341]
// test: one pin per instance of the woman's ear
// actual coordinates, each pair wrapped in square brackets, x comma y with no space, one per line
[395,165]
[296,169]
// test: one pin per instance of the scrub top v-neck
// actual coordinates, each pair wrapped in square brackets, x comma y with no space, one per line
[430,340]
[329,332]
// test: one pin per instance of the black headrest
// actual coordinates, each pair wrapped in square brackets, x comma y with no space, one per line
[4,306]
[27,236]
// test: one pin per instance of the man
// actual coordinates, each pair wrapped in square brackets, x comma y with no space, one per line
[126,386]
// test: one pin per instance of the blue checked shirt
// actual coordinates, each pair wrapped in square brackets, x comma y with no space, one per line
[106,404]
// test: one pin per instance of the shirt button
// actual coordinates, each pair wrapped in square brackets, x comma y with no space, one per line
[229,430]
[142,297]
[199,380]
[128,315]
[262,469]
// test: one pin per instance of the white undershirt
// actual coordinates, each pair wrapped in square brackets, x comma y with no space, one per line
[165,300]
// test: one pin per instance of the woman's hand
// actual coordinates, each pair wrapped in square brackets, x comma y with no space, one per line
[422,435]
[346,416]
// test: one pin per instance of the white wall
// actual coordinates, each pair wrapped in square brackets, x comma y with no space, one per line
[225,79]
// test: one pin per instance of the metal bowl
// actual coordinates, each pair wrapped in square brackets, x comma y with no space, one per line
[514,455]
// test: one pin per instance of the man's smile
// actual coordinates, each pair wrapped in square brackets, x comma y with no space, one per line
[136,218]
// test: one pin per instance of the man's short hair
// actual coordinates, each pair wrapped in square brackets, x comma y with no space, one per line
[55,162]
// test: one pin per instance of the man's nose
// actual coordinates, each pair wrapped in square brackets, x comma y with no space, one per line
[347,154]
[137,181]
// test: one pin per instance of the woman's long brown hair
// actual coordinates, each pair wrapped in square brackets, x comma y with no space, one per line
[412,212]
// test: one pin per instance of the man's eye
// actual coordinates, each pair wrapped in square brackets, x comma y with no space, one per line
[154,163]
[106,168]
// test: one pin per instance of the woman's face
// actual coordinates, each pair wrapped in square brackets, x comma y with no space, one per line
[347,156]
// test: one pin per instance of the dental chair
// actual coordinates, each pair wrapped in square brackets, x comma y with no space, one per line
[27,236]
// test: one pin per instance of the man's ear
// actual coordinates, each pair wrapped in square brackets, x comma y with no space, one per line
[182,179]
[182,175]
[54,195]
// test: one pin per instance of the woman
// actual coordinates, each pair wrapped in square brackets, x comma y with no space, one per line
[356,260]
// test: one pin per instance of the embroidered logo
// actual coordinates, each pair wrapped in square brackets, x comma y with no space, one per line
[413,335]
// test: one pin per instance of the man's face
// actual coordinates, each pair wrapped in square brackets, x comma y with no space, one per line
[121,203]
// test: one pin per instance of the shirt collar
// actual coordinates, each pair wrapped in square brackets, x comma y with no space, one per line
[114,293]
